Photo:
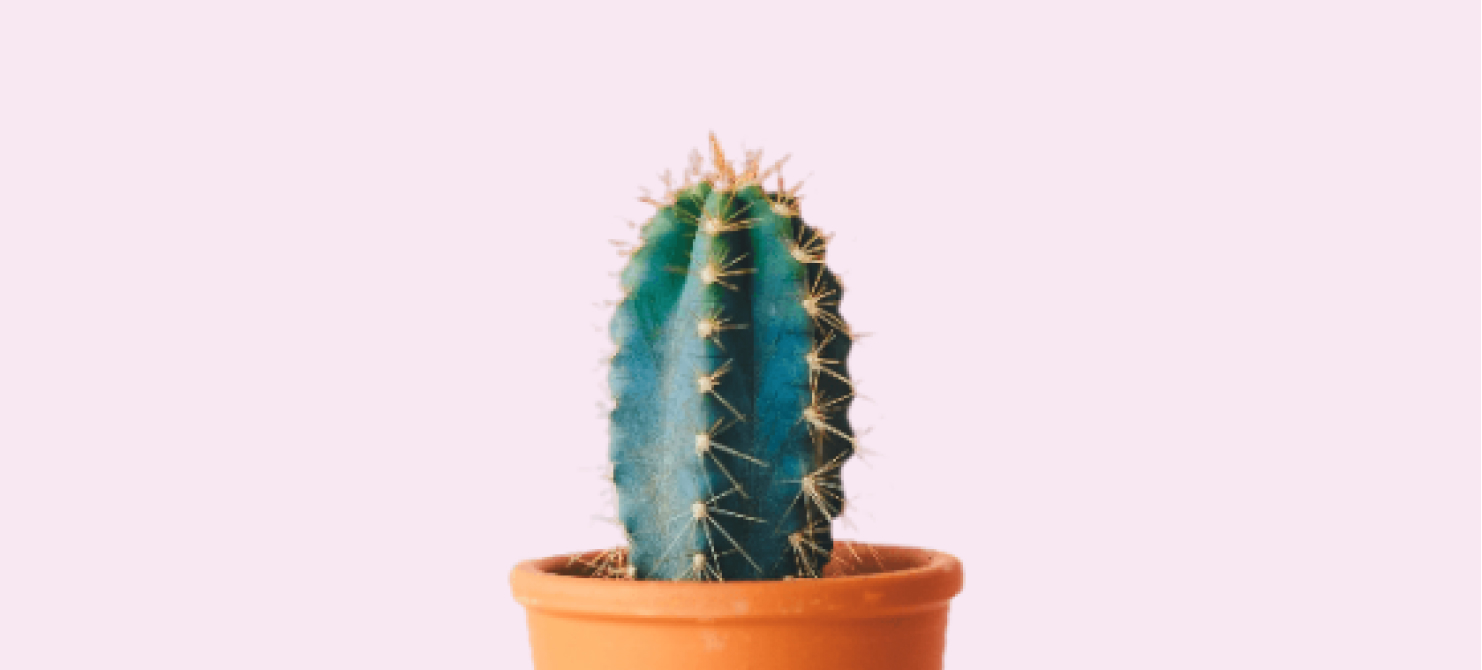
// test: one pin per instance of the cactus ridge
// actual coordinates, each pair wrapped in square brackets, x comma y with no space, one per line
[731,384]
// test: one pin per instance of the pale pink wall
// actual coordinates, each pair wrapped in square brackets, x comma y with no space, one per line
[1175,315]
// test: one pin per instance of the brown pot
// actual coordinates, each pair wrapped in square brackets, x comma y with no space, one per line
[887,611]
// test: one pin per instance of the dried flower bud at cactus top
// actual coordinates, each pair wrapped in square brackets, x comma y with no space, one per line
[730,427]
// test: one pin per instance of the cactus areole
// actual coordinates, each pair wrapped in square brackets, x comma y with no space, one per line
[729,429]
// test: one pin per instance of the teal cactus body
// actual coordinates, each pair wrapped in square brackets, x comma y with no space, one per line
[731,387]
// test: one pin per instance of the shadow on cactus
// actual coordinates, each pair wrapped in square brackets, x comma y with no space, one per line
[731,387]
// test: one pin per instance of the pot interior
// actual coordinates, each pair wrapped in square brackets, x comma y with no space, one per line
[850,559]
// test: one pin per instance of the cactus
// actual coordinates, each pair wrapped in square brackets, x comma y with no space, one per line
[729,429]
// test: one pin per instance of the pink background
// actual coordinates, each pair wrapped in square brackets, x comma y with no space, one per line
[1174,311]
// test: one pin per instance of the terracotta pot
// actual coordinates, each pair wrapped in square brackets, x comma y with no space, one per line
[886,611]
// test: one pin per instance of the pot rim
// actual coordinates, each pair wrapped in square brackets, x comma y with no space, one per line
[916,579]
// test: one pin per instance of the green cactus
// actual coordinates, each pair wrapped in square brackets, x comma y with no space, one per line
[730,428]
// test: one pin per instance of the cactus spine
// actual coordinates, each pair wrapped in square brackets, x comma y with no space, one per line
[731,388]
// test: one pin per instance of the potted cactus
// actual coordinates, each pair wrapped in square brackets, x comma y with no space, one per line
[728,437]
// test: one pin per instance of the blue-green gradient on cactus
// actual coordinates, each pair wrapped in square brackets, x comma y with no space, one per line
[731,387]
